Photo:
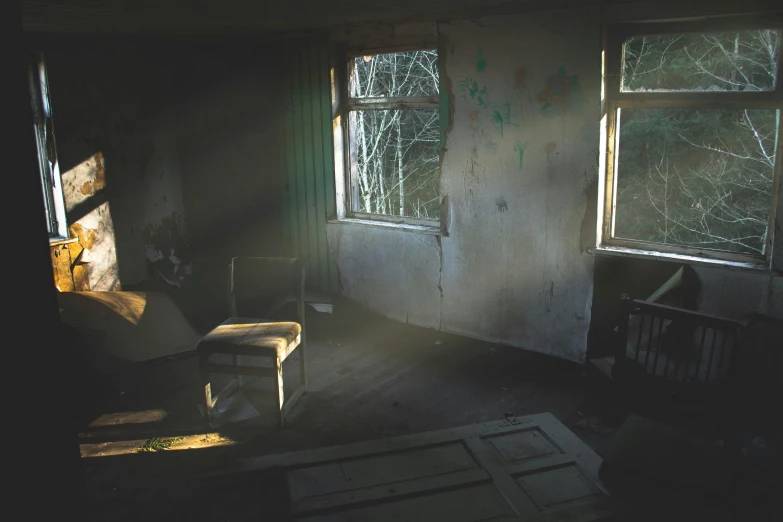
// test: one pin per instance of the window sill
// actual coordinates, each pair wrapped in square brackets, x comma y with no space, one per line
[433,230]
[615,251]
[55,241]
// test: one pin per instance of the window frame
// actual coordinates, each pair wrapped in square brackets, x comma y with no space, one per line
[46,149]
[346,169]
[614,99]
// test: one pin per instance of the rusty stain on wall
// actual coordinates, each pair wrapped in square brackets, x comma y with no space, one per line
[84,180]
[61,263]
[95,233]
[86,236]
[70,273]
[98,182]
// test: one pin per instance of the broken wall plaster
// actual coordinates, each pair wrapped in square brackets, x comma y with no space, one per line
[168,252]
[510,273]
[116,143]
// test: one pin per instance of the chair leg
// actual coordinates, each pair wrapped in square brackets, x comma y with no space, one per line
[280,398]
[303,365]
[206,386]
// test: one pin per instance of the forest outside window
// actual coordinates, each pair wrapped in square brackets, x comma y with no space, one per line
[693,140]
[393,137]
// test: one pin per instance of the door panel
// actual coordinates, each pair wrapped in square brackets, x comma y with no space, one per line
[522,468]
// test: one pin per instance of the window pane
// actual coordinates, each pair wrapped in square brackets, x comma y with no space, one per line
[412,73]
[700,178]
[41,112]
[728,61]
[397,160]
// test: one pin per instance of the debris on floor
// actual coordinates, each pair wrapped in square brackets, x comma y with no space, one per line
[234,408]
[158,444]
[592,423]
[322,307]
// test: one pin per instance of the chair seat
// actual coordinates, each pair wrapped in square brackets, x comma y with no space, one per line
[248,336]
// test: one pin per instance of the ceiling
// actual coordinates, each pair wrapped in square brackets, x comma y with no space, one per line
[268,16]
[257,16]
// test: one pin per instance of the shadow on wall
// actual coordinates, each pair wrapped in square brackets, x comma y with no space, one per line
[229,120]
[116,145]
[171,158]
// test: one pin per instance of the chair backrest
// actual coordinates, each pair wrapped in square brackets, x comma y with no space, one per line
[260,286]
[682,360]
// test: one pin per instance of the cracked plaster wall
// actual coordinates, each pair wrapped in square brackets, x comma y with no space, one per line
[519,161]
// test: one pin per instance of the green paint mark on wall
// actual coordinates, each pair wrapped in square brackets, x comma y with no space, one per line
[520,148]
[497,119]
[469,88]
[501,115]
[481,63]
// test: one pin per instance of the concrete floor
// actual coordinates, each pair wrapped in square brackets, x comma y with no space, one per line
[369,378]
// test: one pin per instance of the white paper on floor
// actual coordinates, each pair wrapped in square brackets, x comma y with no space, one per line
[236,407]
[322,307]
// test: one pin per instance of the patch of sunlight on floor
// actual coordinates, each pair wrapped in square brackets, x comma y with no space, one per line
[126,447]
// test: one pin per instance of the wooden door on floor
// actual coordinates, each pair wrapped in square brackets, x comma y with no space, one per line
[521,468]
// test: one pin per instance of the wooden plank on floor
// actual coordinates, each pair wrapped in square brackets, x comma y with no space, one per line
[524,467]
[471,504]
[332,453]
[393,491]
[379,469]
[521,503]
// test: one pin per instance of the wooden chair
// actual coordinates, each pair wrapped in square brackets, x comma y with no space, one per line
[258,288]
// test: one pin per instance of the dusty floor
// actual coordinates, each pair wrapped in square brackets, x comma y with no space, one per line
[369,378]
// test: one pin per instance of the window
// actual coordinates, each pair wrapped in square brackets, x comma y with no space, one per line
[391,147]
[48,166]
[693,139]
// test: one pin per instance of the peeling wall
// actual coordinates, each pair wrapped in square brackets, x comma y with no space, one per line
[520,160]
[112,102]
[171,157]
